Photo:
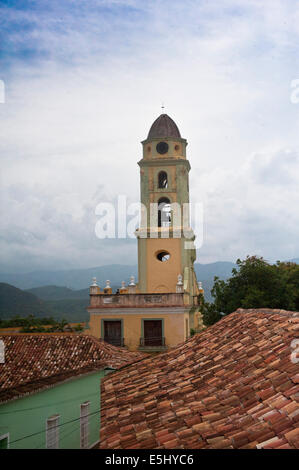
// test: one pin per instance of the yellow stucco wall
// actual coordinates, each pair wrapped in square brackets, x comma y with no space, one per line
[163,276]
[174,327]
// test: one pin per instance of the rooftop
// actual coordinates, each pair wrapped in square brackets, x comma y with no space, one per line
[164,126]
[34,361]
[233,385]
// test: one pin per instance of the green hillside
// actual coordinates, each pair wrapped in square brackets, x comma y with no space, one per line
[72,310]
[14,301]
[58,293]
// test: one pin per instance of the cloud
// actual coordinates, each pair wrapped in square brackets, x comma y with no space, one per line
[84,84]
[252,209]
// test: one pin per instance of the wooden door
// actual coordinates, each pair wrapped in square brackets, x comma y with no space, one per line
[153,332]
[112,332]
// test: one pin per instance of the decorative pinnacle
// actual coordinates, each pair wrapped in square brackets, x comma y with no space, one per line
[94,282]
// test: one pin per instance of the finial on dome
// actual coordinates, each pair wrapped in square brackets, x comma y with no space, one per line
[123,289]
[132,285]
[94,288]
[200,288]
[107,289]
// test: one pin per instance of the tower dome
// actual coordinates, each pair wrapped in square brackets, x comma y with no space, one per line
[164,126]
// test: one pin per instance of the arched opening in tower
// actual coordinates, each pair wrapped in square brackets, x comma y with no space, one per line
[164,212]
[162,179]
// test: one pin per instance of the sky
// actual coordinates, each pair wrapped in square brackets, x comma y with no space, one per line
[84,80]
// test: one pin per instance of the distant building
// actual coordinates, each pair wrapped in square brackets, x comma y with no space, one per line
[160,310]
[50,389]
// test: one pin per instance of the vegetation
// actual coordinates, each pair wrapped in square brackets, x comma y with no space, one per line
[71,309]
[15,302]
[254,284]
[29,321]
[58,293]
[32,324]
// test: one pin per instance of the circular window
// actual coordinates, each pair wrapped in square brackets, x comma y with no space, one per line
[162,147]
[177,148]
[163,256]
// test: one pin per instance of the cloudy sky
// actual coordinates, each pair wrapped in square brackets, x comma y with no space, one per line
[84,80]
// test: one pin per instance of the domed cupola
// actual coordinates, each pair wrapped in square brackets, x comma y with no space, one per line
[165,127]
[164,140]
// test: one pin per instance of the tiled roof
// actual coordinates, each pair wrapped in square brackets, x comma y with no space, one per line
[33,361]
[232,386]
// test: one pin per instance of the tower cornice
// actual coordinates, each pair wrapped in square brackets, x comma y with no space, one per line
[164,161]
[166,139]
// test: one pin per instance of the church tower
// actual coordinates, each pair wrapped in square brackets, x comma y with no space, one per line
[165,238]
[164,307]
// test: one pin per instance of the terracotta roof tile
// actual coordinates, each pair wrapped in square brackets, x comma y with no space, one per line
[35,361]
[231,386]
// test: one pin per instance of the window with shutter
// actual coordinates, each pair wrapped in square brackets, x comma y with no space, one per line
[52,432]
[84,425]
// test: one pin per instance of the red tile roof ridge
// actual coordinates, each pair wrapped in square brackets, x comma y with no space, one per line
[287,313]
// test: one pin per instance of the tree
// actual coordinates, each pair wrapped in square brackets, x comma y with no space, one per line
[210,313]
[254,284]
[290,274]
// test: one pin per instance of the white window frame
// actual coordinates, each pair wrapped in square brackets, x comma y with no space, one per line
[52,432]
[5,436]
[84,424]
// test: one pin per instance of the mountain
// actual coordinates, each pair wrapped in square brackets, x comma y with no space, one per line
[14,301]
[73,283]
[53,293]
[72,278]
[222,269]
[72,310]
[64,294]
[81,278]
[63,302]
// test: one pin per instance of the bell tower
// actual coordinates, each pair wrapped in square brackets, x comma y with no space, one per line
[165,239]
[160,311]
